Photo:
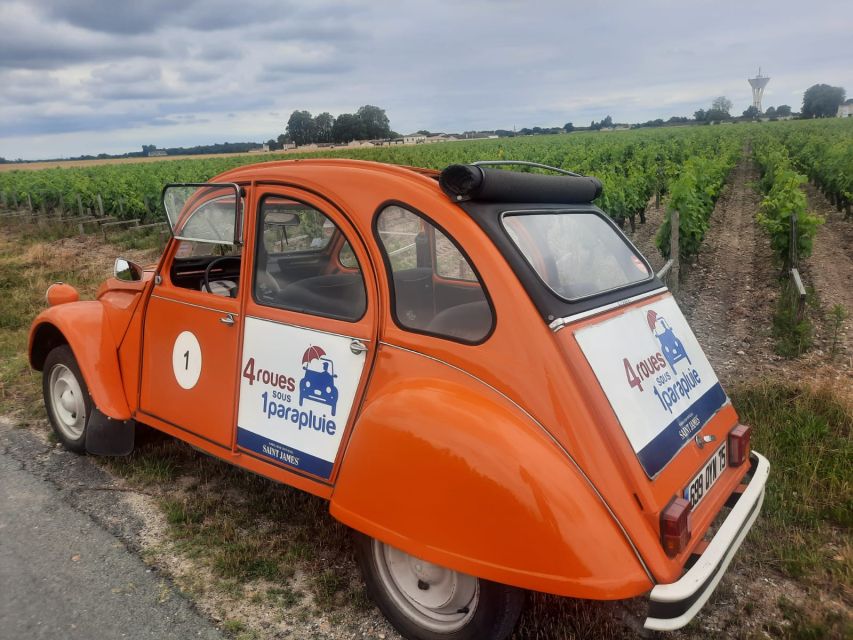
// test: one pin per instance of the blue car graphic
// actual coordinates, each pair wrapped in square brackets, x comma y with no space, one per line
[673,349]
[319,385]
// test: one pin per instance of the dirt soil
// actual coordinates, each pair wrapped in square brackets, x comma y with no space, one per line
[830,270]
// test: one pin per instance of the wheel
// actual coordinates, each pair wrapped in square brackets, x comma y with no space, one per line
[425,601]
[66,398]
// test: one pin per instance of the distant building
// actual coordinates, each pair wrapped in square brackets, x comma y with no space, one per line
[156,153]
[264,148]
[845,109]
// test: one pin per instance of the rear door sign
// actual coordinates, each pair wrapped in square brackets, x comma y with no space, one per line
[297,388]
[655,376]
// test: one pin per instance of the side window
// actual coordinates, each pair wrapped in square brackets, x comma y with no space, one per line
[436,290]
[294,268]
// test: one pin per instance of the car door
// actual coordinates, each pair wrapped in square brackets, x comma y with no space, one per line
[191,335]
[309,333]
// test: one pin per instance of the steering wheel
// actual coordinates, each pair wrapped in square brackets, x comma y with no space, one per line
[210,267]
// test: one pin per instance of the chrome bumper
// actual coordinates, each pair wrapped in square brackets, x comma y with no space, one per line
[672,606]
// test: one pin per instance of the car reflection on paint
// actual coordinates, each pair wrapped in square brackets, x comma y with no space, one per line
[319,384]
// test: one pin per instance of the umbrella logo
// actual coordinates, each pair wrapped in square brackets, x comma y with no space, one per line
[672,347]
[318,381]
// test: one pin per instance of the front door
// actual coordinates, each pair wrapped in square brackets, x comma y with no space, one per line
[309,334]
[191,340]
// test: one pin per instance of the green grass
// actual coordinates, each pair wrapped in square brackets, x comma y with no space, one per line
[793,336]
[808,511]
[812,623]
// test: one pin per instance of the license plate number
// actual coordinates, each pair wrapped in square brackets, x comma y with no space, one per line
[703,481]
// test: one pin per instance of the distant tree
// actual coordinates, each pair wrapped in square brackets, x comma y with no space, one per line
[568,127]
[271,145]
[300,127]
[374,121]
[770,112]
[504,133]
[3,160]
[147,148]
[783,110]
[700,115]
[678,120]
[282,140]
[607,123]
[751,112]
[723,104]
[822,100]
[323,125]
[348,127]
[424,132]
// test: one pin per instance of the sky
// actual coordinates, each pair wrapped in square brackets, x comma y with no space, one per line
[107,76]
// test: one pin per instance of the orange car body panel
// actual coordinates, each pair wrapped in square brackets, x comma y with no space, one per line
[86,329]
[503,459]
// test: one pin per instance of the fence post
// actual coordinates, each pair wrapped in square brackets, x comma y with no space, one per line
[674,250]
[15,199]
[100,206]
[793,254]
[61,206]
[4,198]
[29,203]
[79,205]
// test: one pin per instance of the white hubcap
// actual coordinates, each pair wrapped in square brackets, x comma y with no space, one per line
[66,399]
[436,598]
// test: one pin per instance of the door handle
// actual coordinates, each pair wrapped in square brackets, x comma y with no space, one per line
[357,347]
[228,319]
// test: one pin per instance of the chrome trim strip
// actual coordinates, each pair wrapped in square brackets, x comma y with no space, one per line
[550,435]
[300,326]
[559,323]
[197,306]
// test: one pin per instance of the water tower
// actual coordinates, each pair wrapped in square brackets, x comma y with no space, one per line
[758,83]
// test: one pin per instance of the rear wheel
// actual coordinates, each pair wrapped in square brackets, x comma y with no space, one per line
[66,398]
[425,601]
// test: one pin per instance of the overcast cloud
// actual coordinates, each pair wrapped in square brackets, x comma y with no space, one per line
[91,76]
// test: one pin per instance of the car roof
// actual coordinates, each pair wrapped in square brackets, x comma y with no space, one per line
[279,169]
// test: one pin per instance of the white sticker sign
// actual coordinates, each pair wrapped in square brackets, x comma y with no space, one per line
[297,388]
[186,359]
[656,377]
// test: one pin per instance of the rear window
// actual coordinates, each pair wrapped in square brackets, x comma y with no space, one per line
[576,254]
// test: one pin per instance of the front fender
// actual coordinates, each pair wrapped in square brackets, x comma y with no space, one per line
[84,327]
[447,469]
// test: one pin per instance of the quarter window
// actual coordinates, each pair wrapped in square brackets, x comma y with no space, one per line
[436,290]
[294,265]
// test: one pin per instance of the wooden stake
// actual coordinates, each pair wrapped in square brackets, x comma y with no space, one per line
[674,250]
[101,205]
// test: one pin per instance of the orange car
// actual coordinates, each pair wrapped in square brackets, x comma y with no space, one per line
[476,368]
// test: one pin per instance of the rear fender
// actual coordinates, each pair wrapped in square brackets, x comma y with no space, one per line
[449,470]
[83,326]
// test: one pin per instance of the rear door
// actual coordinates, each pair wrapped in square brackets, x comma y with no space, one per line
[309,335]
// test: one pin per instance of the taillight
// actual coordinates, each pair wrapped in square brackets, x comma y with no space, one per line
[675,526]
[738,445]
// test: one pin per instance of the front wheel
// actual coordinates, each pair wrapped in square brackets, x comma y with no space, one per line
[66,398]
[425,601]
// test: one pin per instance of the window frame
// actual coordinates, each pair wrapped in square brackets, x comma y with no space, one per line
[603,216]
[389,274]
[328,249]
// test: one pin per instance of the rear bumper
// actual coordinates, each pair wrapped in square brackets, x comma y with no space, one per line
[672,606]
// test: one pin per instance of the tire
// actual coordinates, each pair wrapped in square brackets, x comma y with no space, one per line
[476,610]
[66,398]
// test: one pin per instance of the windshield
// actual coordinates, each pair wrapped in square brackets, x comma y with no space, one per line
[203,213]
[576,254]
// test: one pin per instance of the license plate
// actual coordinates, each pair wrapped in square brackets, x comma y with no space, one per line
[703,481]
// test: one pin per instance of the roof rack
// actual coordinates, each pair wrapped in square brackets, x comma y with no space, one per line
[525,163]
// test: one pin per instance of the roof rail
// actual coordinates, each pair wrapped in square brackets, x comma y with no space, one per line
[525,163]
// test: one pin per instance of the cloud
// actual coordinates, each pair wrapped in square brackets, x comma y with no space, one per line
[150,72]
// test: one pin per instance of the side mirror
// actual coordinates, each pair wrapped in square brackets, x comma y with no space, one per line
[127,270]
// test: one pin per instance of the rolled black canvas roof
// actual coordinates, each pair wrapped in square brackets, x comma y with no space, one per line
[464,182]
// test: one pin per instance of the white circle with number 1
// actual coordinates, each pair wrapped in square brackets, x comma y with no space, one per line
[186,360]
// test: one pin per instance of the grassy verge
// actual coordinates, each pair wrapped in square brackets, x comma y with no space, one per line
[805,524]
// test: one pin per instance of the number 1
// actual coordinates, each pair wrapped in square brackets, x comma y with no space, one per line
[186,360]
